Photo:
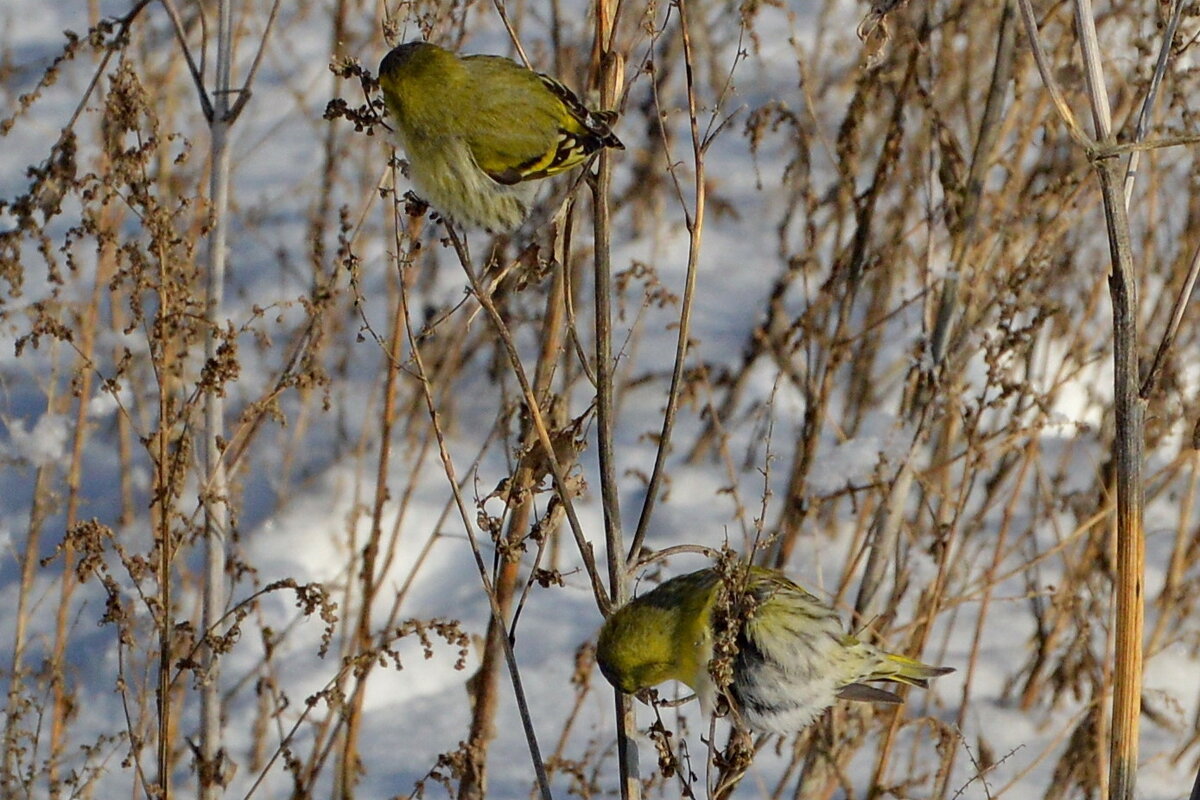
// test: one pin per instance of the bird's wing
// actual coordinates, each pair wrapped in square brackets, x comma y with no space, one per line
[867,694]
[517,121]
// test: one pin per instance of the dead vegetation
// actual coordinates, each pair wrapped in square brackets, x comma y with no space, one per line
[862,288]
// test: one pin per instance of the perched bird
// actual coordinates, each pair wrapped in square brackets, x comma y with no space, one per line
[478,130]
[787,655]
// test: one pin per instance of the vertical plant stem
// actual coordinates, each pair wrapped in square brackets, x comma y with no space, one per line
[605,369]
[214,497]
[1129,409]
[611,66]
[884,534]
[486,682]
[329,153]
[38,510]
[67,583]
[695,225]
[535,754]
[349,766]
[161,513]
[985,145]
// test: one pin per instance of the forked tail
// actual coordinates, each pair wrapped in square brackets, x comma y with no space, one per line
[903,669]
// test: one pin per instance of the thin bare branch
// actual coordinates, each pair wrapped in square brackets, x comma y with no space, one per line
[539,766]
[1143,120]
[1168,339]
[244,92]
[603,602]
[1048,79]
[206,104]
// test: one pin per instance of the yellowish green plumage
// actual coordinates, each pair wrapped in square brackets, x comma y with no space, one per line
[789,657]
[478,129]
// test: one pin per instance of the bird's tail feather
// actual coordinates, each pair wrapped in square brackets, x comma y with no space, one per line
[903,669]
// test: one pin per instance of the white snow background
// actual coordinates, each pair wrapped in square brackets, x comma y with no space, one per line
[303,502]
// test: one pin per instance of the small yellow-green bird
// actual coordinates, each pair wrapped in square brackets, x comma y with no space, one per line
[792,658]
[478,130]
